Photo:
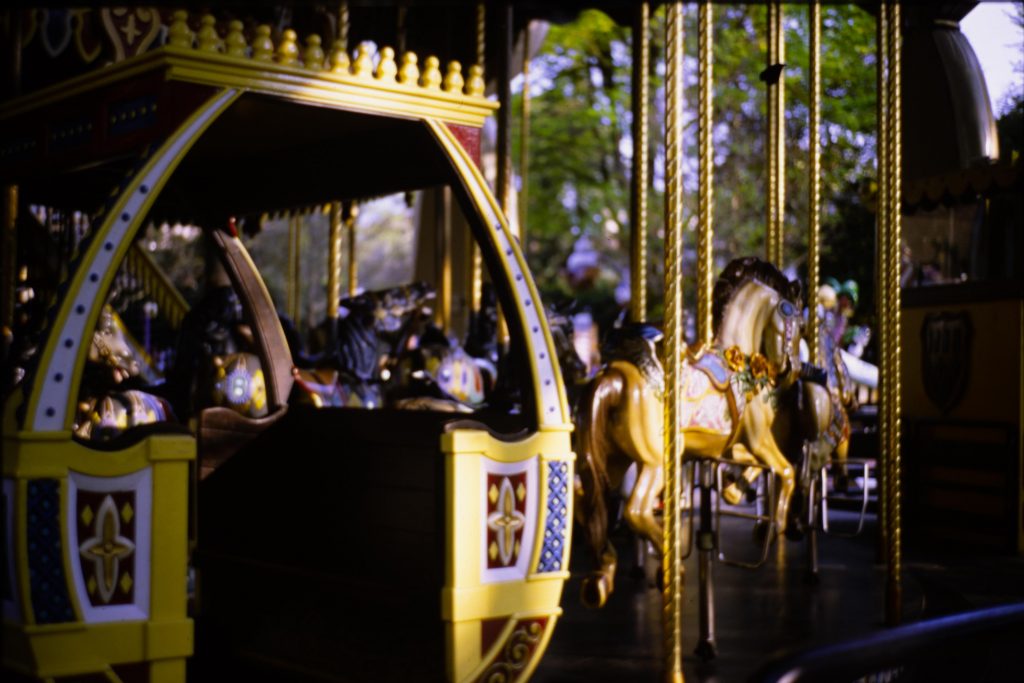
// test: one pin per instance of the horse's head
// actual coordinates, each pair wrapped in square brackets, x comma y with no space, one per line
[574,370]
[781,341]
[110,347]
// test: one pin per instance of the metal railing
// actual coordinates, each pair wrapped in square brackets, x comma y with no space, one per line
[983,645]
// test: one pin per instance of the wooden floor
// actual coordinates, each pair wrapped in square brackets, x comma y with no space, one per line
[765,611]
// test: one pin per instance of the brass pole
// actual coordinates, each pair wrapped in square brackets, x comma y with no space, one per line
[297,316]
[705,199]
[443,256]
[349,213]
[504,142]
[771,150]
[476,264]
[334,262]
[343,25]
[882,262]
[672,555]
[780,139]
[290,284]
[894,583]
[503,182]
[638,193]
[814,186]
[10,257]
[524,140]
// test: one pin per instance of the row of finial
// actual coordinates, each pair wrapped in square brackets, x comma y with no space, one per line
[313,57]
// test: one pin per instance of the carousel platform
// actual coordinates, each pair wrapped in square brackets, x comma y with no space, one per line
[768,611]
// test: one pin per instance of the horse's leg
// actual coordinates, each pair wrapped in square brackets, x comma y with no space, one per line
[592,514]
[642,501]
[757,421]
[733,493]
[643,443]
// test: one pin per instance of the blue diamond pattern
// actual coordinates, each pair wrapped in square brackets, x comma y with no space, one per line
[558,509]
[48,587]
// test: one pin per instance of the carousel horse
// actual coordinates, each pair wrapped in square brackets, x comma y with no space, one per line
[574,370]
[112,401]
[728,393]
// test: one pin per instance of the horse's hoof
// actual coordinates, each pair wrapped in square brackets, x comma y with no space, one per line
[706,650]
[732,494]
[594,592]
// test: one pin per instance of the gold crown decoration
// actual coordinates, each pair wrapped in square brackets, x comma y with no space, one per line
[371,78]
[380,66]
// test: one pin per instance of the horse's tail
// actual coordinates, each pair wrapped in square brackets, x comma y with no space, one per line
[593,448]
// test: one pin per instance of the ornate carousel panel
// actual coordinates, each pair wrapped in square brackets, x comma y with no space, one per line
[109,534]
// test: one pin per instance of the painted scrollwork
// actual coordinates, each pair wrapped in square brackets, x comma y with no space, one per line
[517,652]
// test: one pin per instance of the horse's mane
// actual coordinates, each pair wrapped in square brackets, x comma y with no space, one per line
[743,270]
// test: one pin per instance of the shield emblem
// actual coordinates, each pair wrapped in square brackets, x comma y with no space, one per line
[945,357]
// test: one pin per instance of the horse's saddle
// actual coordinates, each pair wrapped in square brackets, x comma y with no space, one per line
[712,364]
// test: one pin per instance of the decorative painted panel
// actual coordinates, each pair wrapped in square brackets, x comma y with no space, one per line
[553,549]
[506,518]
[9,583]
[48,586]
[109,530]
[510,500]
[514,656]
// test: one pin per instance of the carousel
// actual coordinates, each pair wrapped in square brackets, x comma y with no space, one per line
[375,511]
[201,482]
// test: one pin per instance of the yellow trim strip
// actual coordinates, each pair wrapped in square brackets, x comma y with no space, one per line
[84,297]
[342,91]
[487,204]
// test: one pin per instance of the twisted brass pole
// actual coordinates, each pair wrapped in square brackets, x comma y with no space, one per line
[476,265]
[348,216]
[780,139]
[882,263]
[894,583]
[814,186]
[343,25]
[771,168]
[638,189]
[672,556]
[334,262]
[705,230]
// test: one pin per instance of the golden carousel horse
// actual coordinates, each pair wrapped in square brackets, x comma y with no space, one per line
[729,402]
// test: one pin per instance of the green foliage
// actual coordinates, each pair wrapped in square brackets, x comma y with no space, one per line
[580,140]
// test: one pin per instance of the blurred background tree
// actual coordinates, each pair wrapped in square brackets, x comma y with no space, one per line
[581,146]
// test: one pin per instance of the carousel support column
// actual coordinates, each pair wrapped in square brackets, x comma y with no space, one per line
[503,152]
[638,193]
[770,146]
[705,230]
[881,263]
[9,264]
[672,551]
[780,138]
[814,185]
[349,211]
[295,255]
[343,26]
[706,544]
[334,268]
[443,256]
[894,584]
[476,277]
[814,253]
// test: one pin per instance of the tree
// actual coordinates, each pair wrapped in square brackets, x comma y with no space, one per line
[581,147]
